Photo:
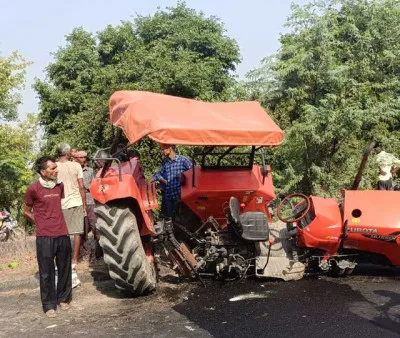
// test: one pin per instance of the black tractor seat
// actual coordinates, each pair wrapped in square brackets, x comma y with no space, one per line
[250,225]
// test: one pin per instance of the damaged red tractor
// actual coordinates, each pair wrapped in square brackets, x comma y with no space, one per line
[222,227]
[332,237]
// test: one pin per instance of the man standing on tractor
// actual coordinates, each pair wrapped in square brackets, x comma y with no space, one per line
[386,162]
[169,177]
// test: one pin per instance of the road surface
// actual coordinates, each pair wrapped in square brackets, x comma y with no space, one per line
[366,304]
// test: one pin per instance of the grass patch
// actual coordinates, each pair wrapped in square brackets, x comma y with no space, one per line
[20,254]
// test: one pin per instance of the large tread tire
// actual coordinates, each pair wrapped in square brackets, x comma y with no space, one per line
[123,250]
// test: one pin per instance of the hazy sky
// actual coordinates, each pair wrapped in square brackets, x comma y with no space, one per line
[37,28]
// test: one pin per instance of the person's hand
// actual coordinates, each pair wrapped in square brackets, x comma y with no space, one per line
[84,212]
[382,172]
[163,180]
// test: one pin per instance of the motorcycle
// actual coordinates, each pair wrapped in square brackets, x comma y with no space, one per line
[9,229]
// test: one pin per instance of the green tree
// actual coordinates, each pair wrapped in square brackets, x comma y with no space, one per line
[16,142]
[17,150]
[176,51]
[333,86]
[12,72]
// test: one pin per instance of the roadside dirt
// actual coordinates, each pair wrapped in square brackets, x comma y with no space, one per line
[98,309]
[17,259]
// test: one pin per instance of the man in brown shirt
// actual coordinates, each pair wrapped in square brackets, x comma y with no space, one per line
[52,240]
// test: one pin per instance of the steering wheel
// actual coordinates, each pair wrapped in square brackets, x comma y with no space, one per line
[293,208]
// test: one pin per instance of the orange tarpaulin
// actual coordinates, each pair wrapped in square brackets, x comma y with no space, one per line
[175,120]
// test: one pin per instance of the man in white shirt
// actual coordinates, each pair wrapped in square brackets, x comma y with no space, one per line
[74,203]
[386,162]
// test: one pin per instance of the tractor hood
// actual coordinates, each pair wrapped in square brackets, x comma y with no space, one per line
[369,210]
[174,120]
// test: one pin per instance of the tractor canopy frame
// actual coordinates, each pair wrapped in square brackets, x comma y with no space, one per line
[174,120]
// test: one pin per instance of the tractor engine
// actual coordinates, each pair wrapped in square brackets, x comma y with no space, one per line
[223,251]
[223,255]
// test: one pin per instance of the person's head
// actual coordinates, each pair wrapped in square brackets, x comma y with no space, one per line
[46,167]
[101,154]
[80,156]
[64,150]
[167,150]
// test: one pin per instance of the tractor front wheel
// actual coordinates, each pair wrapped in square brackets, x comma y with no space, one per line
[123,249]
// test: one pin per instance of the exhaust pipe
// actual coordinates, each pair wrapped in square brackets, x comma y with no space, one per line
[357,180]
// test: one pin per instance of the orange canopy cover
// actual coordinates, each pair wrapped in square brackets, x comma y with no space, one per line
[174,120]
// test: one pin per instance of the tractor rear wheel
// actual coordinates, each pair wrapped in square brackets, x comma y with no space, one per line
[123,249]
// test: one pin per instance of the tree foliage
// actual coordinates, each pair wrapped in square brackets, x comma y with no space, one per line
[17,150]
[176,51]
[16,142]
[12,72]
[333,86]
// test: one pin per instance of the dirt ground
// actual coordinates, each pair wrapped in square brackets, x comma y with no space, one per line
[98,309]
[22,252]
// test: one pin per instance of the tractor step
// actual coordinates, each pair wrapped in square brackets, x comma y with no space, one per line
[275,258]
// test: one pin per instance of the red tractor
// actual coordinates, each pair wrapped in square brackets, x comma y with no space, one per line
[222,226]
[334,237]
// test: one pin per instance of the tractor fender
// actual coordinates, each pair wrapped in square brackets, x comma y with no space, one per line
[111,188]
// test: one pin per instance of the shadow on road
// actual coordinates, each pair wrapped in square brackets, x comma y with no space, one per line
[313,306]
[300,308]
[103,282]
[170,285]
[376,270]
[389,313]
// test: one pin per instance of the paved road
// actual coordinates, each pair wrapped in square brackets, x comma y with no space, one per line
[309,308]
[358,306]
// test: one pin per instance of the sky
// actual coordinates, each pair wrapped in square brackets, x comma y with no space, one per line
[38,28]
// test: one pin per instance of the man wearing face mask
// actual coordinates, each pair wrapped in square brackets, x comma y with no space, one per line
[52,240]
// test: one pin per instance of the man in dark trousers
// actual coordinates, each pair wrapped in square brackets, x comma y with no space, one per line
[52,240]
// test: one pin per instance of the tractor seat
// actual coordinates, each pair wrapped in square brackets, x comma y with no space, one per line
[250,225]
